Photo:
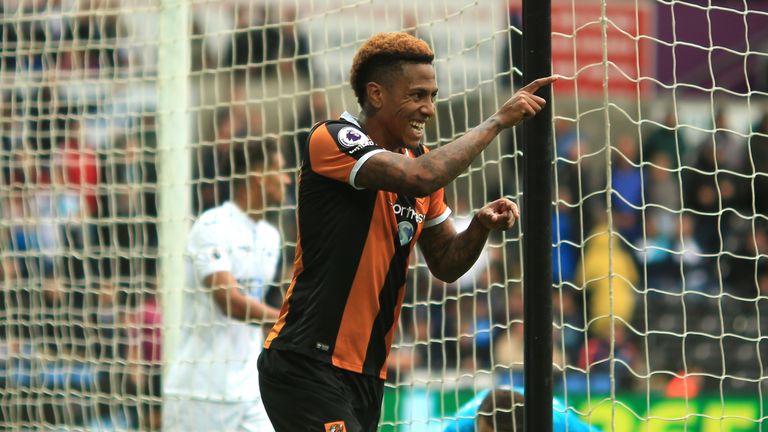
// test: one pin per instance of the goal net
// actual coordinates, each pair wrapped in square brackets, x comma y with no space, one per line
[660,234]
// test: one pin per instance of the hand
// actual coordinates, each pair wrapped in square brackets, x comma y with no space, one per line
[524,103]
[498,215]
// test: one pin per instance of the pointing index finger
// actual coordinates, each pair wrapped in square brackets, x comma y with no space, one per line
[534,85]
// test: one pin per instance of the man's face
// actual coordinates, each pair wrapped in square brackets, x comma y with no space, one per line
[408,103]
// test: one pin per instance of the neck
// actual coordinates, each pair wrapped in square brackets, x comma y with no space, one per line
[252,207]
[376,131]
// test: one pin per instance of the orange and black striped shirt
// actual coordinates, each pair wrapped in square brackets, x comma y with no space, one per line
[352,255]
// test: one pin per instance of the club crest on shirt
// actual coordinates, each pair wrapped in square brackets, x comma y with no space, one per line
[350,137]
[404,232]
[215,253]
[336,426]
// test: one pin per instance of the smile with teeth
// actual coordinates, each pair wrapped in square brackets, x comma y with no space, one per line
[417,126]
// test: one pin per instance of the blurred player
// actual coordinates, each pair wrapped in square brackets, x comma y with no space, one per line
[233,254]
[368,192]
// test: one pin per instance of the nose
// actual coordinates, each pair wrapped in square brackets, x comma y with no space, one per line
[428,109]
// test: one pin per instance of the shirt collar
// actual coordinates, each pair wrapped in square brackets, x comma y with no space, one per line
[350,118]
[240,214]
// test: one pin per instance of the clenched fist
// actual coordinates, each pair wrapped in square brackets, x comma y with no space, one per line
[498,215]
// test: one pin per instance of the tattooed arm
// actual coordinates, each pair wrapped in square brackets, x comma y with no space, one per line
[450,254]
[428,173]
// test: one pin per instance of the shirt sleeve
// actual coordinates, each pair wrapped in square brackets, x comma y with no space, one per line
[438,210]
[207,251]
[337,150]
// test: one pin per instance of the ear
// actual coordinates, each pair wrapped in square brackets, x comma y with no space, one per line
[375,94]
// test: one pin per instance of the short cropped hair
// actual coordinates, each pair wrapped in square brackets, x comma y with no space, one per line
[382,55]
[246,156]
[502,409]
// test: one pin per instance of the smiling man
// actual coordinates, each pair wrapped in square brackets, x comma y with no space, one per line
[369,191]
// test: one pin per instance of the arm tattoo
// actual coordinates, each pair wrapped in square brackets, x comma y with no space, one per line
[430,172]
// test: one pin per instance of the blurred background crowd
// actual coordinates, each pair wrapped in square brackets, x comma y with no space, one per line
[678,224]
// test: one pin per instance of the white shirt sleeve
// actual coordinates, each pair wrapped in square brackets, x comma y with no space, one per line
[208,251]
[438,220]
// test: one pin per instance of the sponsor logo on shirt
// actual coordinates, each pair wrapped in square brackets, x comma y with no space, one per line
[335,426]
[407,212]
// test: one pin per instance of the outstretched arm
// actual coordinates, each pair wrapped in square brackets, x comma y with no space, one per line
[234,304]
[450,254]
[422,176]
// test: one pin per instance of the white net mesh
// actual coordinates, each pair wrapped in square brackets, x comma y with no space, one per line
[661,146]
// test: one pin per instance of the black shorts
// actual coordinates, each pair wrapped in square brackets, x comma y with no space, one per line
[303,394]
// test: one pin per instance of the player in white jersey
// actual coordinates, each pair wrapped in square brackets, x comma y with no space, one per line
[232,254]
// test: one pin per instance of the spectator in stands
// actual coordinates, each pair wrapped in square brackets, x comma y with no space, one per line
[566,139]
[211,160]
[254,43]
[106,317]
[67,202]
[293,55]
[656,249]
[762,299]
[758,147]
[730,148]
[741,267]
[564,239]
[508,341]
[599,347]
[11,143]
[569,306]
[662,183]
[510,67]
[666,139]
[475,333]
[512,54]
[23,36]
[698,270]
[714,186]
[700,195]
[42,126]
[107,322]
[144,360]
[80,165]
[627,183]
[607,270]
[663,197]
[232,256]
[95,28]
[128,205]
